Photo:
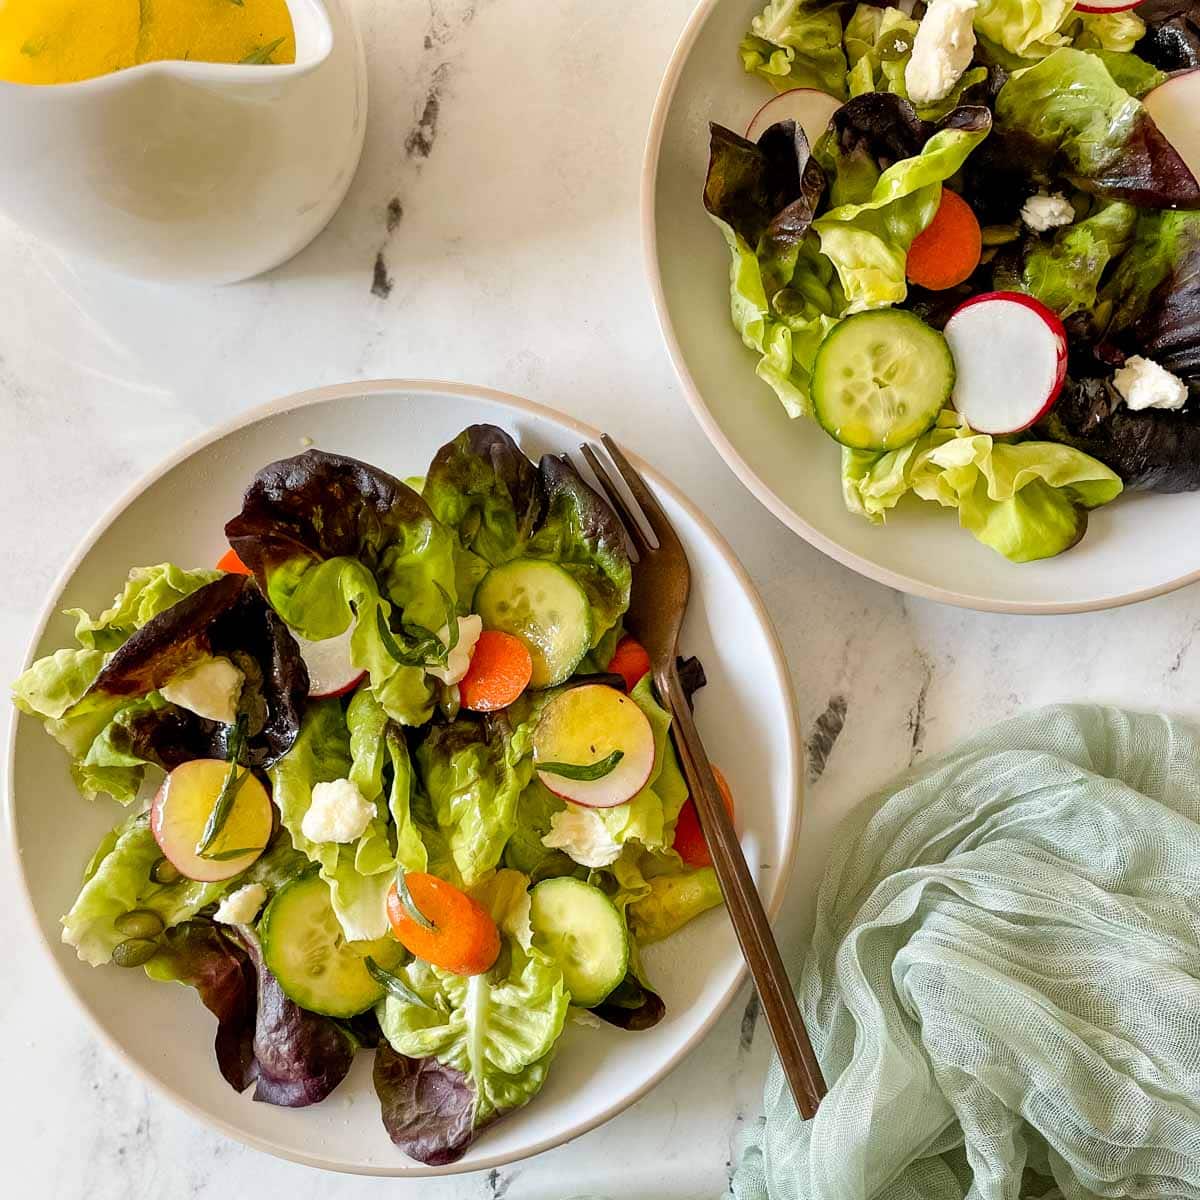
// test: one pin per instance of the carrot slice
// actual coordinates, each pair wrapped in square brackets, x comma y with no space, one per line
[232,565]
[500,670]
[630,660]
[690,843]
[456,934]
[948,250]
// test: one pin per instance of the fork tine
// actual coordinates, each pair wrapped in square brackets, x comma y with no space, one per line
[658,521]
[632,526]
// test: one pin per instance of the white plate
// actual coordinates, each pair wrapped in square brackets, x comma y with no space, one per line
[1135,548]
[747,714]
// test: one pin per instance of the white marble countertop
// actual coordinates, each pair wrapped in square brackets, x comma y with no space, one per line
[492,236]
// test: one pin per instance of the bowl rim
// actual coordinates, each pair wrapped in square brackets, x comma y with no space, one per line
[749,477]
[790,825]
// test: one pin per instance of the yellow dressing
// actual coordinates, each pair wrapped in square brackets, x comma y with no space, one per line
[61,41]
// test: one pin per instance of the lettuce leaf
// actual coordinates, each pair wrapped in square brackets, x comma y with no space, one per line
[475,1049]
[1064,271]
[649,818]
[148,591]
[119,883]
[1024,28]
[671,902]
[353,745]
[1026,500]
[293,1057]
[332,541]
[56,687]
[500,507]
[784,298]
[867,240]
[229,618]
[1117,32]
[1073,119]
[474,778]
[797,43]
[1154,292]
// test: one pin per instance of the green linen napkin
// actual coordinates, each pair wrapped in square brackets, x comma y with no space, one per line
[1004,981]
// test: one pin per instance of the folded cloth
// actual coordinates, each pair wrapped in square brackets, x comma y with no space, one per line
[1003,985]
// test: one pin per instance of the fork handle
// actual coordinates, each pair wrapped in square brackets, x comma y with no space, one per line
[750,922]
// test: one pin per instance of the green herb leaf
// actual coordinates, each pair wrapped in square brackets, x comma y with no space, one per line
[229,855]
[394,984]
[410,905]
[229,790]
[451,618]
[262,55]
[584,773]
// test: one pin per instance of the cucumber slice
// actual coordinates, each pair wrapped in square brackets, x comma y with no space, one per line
[880,379]
[542,605]
[303,947]
[578,926]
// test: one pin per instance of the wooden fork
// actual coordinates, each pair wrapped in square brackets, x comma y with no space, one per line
[661,585]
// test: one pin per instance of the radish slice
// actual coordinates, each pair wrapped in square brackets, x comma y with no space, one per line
[809,108]
[1172,107]
[1107,6]
[1010,359]
[180,811]
[585,726]
[330,671]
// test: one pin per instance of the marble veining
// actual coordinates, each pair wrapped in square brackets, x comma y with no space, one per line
[492,235]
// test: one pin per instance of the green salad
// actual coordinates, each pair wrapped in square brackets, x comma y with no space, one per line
[965,240]
[396,779]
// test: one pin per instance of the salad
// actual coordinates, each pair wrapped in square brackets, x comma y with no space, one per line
[397,779]
[965,240]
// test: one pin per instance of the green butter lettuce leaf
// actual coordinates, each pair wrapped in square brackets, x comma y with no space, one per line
[474,782]
[671,901]
[1024,28]
[1064,271]
[499,506]
[868,241]
[147,592]
[1026,500]
[784,297]
[505,894]
[335,745]
[332,540]
[58,687]
[1154,293]
[484,1042]
[1117,32]
[879,45]
[797,43]
[649,818]
[119,883]
[525,850]
[1073,119]
[1128,71]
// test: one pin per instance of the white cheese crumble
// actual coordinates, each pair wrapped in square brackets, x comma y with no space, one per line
[210,689]
[1144,384]
[1042,212]
[582,833]
[942,50]
[459,659]
[338,813]
[241,907]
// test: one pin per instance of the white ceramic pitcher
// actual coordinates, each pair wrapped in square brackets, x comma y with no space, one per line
[192,172]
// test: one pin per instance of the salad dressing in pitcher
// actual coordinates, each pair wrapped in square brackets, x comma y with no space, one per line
[63,41]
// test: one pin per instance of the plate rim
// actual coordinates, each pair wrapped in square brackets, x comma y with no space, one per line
[791,824]
[749,477]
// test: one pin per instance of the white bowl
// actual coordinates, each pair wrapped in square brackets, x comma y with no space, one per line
[1135,548]
[747,714]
